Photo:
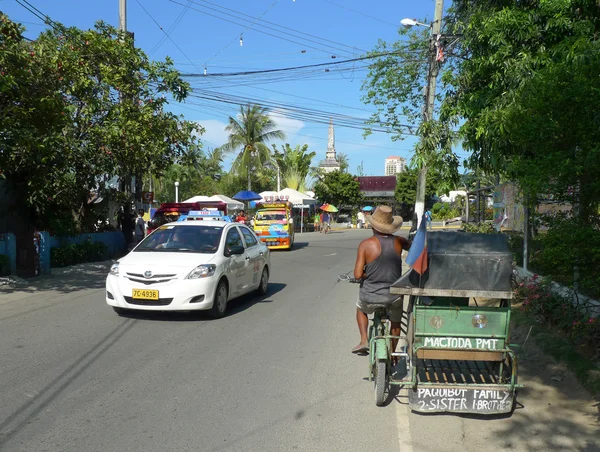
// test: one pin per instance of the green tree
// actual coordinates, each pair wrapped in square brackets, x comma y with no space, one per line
[406,190]
[344,161]
[394,87]
[32,115]
[339,189]
[528,95]
[113,123]
[247,136]
[294,165]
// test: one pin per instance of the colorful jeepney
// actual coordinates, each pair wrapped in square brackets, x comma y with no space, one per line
[274,225]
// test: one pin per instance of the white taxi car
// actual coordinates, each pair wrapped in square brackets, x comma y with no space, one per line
[190,265]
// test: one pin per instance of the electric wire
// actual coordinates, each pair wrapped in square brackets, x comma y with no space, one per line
[166,34]
[171,29]
[267,33]
[241,34]
[309,66]
[271,23]
[362,14]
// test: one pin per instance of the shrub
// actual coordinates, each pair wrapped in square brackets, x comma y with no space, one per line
[445,213]
[437,207]
[480,228]
[76,253]
[548,307]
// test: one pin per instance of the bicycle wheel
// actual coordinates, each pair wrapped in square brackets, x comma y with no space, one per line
[381,382]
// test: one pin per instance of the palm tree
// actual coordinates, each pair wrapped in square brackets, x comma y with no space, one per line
[248,134]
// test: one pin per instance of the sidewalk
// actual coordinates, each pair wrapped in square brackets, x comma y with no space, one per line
[91,275]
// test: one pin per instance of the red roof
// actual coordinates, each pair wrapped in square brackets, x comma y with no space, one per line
[377,183]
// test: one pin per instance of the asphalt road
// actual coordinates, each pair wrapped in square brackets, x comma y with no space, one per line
[276,374]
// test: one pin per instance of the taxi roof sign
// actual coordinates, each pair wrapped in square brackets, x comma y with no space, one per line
[205,212]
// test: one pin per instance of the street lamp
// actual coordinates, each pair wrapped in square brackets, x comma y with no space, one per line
[412,22]
[176,191]
[278,175]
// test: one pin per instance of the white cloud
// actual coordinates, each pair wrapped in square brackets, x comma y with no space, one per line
[288,125]
[215,134]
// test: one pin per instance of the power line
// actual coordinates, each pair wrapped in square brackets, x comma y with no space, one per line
[166,34]
[353,48]
[267,71]
[362,14]
[246,29]
[268,28]
[171,28]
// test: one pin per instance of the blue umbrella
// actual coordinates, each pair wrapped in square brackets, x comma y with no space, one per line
[246,195]
[367,208]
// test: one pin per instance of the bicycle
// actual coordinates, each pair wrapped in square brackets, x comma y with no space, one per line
[381,352]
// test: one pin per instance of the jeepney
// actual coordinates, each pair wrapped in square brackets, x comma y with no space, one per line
[274,225]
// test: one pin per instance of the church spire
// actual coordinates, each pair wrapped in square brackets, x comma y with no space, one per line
[331,142]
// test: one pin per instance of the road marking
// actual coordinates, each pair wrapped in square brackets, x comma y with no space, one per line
[402,417]
[332,254]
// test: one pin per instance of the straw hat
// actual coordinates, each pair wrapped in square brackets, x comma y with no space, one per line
[383,221]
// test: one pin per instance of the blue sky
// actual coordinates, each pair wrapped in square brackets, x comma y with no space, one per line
[207,34]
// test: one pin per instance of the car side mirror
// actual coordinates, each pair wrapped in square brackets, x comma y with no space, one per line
[234,251]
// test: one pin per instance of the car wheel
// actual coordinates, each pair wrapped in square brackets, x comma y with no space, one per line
[264,282]
[220,302]
[120,311]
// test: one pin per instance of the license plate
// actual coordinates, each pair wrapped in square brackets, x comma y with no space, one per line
[145,294]
[272,242]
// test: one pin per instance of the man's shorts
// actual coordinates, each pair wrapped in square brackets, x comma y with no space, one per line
[394,310]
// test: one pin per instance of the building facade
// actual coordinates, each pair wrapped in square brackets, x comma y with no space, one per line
[394,165]
[330,164]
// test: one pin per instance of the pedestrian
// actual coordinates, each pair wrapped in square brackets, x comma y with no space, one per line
[317,222]
[428,218]
[325,222]
[125,222]
[140,227]
[360,219]
[241,218]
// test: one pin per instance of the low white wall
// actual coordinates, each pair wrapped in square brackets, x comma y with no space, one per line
[576,298]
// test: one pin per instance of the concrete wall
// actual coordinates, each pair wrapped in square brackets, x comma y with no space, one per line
[577,298]
[8,247]
[114,241]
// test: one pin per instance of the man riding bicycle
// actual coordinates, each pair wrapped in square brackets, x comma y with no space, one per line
[378,266]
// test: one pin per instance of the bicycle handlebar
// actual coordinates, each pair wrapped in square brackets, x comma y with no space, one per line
[348,278]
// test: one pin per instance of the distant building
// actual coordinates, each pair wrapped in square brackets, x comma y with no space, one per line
[394,165]
[330,164]
[378,190]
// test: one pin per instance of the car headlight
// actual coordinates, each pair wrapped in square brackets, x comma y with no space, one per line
[202,271]
[114,269]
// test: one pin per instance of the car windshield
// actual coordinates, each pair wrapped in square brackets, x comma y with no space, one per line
[191,239]
[272,215]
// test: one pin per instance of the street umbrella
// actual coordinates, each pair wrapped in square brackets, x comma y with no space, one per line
[246,195]
[367,208]
[328,208]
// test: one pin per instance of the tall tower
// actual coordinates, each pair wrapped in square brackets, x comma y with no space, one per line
[331,143]
[330,163]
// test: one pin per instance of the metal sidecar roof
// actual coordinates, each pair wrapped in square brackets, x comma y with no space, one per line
[462,264]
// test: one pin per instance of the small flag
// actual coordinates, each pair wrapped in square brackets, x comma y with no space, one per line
[417,255]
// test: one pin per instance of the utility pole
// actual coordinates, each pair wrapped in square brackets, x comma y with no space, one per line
[123,15]
[429,101]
